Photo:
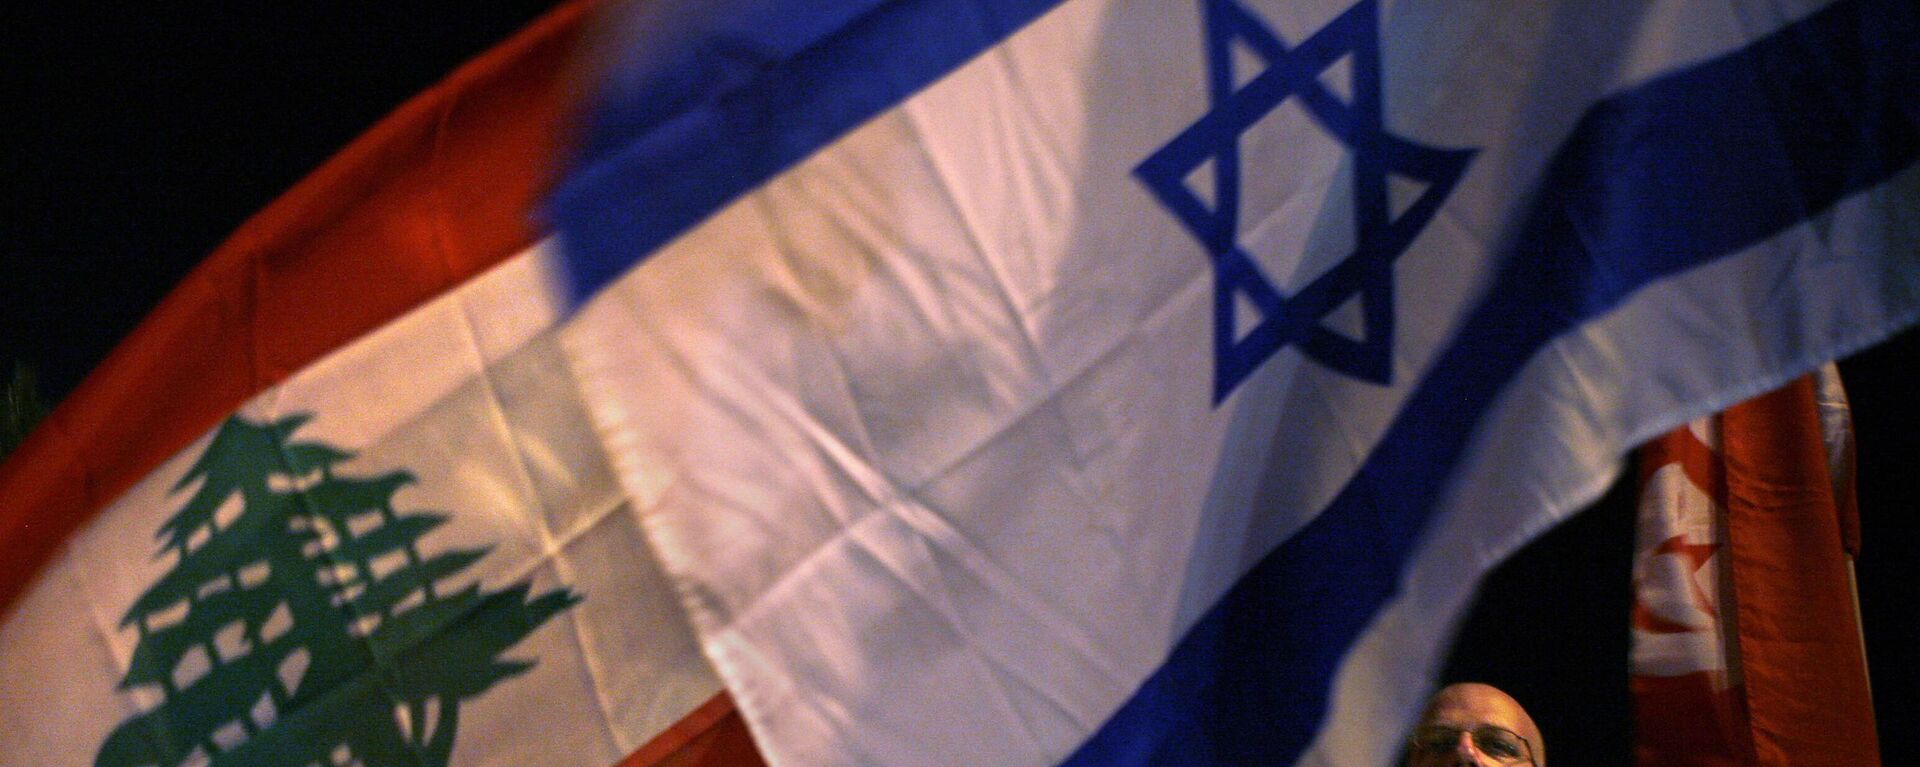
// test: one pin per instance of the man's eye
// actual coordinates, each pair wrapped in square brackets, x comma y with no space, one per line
[1499,747]
[1436,739]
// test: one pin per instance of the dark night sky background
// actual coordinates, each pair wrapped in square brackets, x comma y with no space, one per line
[136,138]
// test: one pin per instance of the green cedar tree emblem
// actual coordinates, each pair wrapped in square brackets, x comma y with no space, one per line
[306,627]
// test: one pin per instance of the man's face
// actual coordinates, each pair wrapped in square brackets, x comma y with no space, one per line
[1471,725]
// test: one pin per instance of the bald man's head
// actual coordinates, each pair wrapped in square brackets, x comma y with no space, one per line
[1468,725]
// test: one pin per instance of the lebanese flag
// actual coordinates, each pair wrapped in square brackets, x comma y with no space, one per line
[335,500]
[1746,643]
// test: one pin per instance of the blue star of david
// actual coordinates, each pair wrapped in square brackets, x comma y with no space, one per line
[1380,238]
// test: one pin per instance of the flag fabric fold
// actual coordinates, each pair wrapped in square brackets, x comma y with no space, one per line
[336,500]
[1150,384]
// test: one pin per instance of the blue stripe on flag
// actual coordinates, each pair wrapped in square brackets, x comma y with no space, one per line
[722,96]
[1668,176]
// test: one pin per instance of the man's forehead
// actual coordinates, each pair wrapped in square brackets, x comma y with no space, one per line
[1474,705]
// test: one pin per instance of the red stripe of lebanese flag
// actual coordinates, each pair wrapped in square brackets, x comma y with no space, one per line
[434,194]
[1746,641]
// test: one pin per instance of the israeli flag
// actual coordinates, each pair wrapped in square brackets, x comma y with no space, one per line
[1028,382]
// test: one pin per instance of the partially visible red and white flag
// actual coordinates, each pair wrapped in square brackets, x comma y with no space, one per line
[336,502]
[1746,642]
